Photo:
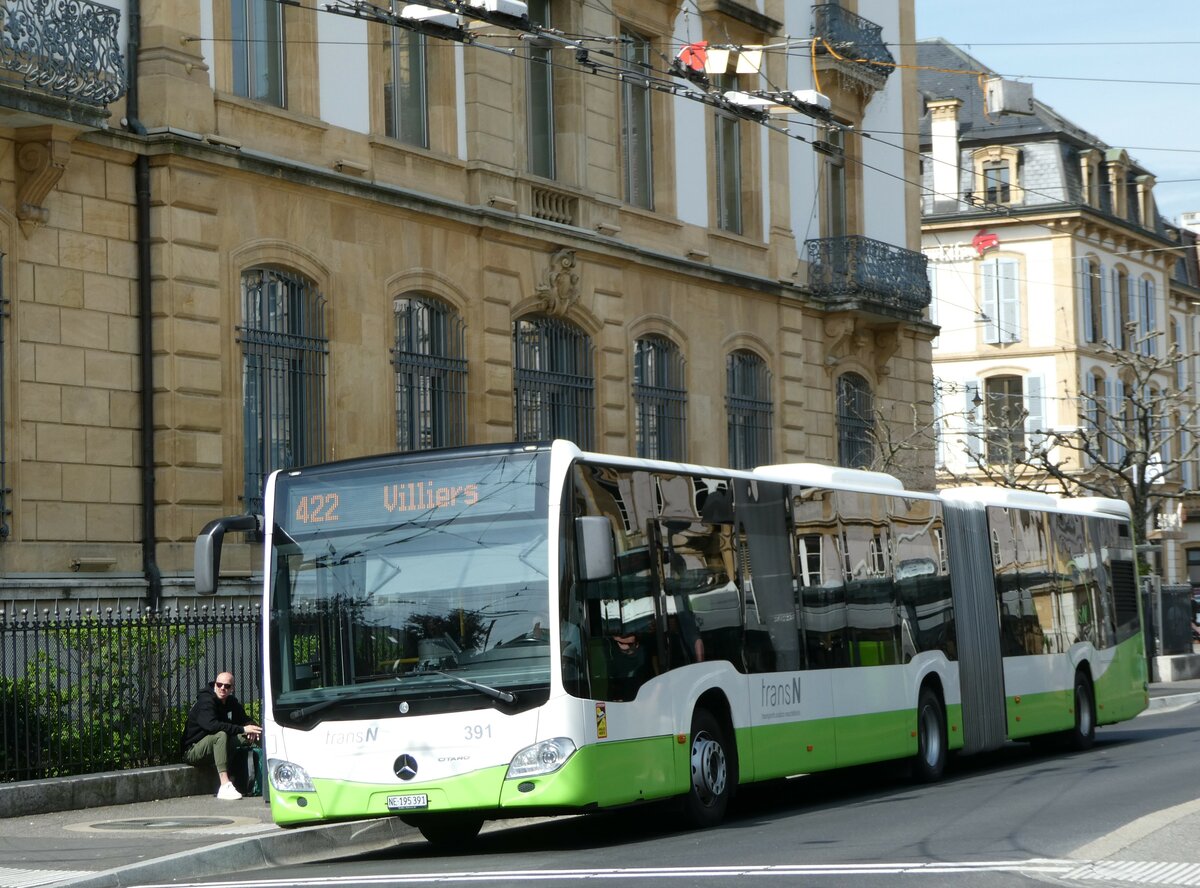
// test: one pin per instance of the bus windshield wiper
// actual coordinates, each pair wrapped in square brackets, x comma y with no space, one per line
[494,693]
[346,695]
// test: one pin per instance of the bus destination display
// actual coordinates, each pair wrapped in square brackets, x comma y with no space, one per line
[466,489]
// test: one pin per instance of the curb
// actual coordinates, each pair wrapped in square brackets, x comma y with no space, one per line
[280,848]
[1172,701]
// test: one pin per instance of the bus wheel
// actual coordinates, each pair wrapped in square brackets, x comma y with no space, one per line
[1083,735]
[930,761]
[447,829]
[705,803]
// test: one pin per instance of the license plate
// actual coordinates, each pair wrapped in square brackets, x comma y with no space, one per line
[408,802]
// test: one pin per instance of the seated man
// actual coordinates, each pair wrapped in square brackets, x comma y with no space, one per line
[216,718]
[630,665]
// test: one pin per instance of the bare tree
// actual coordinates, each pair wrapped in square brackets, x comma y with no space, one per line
[1129,444]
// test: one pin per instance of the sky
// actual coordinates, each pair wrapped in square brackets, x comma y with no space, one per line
[1127,73]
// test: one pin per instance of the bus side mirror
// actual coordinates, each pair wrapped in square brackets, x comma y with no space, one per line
[594,546]
[208,549]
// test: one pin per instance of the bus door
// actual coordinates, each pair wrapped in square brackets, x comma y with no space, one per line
[700,607]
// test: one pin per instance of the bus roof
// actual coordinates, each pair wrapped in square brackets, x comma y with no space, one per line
[819,475]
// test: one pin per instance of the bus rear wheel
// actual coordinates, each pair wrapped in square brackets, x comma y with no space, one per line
[930,761]
[712,774]
[1083,735]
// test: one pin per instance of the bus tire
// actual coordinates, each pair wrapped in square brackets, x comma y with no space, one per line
[445,830]
[711,772]
[1083,735]
[930,761]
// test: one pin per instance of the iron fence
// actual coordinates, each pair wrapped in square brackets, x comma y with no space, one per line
[87,691]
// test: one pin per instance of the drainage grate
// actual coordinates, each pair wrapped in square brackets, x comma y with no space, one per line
[142,823]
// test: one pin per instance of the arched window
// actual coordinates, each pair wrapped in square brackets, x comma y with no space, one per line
[660,400]
[855,422]
[749,409]
[283,375]
[553,388]
[431,375]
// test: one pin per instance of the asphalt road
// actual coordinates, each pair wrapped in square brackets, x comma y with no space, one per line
[1125,809]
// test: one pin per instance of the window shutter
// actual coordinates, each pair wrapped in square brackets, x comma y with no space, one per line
[1116,409]
[1114,290]
[1010,301]
[989,303]
[1086,299]
[1035,412]
[1105,322]
[1150,318]
[974,427]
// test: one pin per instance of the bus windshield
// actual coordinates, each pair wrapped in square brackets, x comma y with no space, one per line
[423,579]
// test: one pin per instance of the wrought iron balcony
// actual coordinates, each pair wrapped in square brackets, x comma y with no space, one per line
[61,48]
[858,270]
[852,44]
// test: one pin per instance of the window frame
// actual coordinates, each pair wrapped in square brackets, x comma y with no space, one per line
[249,51]
[398,104]
[636,100]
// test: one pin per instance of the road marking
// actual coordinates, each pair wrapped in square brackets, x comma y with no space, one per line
[11,877]
[1109,871]
[1106,871]
[1120,839]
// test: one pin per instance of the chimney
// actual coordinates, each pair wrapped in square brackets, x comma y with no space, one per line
[943,116]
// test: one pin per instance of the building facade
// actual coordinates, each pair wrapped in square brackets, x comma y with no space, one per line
[275,235]
[1050,268]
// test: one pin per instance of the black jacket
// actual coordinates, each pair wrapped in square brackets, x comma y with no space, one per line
[209,715]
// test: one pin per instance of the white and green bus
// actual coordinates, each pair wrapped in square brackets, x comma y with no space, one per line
[499,631]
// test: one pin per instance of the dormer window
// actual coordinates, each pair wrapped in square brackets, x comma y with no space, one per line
[997,175]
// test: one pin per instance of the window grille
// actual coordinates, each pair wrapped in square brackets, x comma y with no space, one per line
[660,399]
[553,392]
[855,422]
[283,375]
[749,408]
[431,375]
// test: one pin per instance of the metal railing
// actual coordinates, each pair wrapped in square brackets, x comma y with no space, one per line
[861,269]
[852,37]
[83,692]
[67,48]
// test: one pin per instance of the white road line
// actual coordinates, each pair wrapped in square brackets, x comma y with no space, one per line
[11,877]
[1109,872]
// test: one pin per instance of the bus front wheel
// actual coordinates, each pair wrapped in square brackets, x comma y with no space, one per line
[712,783]
[447,829]
[930,761]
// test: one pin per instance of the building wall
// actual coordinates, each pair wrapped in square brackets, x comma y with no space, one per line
[317,189]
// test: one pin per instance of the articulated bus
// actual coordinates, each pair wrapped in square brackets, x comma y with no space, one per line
[497,631]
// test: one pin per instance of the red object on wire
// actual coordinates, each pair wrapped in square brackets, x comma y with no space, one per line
[694,55]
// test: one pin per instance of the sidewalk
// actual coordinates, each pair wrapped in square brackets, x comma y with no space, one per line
[194,836]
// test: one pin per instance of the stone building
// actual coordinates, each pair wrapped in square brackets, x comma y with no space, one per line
[243,235]
[1048,262]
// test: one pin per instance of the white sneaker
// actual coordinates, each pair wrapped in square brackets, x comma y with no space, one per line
[228,792]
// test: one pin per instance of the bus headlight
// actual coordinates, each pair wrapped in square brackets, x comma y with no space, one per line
[541,758]
[289,777]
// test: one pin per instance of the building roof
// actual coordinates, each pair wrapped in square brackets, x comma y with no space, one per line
[940,60]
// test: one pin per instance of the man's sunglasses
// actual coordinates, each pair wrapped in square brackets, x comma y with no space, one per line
[222,684]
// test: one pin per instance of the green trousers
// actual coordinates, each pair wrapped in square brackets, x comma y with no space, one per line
[217,746]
